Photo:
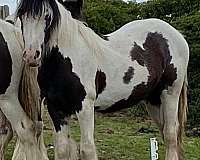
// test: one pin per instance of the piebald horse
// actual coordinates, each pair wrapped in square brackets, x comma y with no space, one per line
[145,60]
[6,131]
[30,143]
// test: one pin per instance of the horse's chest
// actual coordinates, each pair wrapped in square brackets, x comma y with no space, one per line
[5,65]
[60,85]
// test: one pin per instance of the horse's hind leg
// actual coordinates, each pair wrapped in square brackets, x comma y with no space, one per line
[6,134]
[171,124]
[173,102]
[156,113]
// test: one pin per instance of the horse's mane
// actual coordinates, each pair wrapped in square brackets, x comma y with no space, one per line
[72,29]
[37,7]
[94,41]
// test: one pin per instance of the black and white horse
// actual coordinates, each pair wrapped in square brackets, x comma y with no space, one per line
[144,60]
[29,146]
[6,132]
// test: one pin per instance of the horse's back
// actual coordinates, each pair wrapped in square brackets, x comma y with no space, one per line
[137,31]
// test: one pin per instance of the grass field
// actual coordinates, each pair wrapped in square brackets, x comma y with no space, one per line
[117,138]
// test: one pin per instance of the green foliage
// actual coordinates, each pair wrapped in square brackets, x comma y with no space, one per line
[177,8]
[106,16]
[138,111]
[190,27]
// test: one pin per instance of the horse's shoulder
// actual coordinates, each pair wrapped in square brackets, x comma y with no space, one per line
[59,84]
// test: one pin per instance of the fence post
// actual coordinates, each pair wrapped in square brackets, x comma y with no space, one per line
[154,148]
[4,11]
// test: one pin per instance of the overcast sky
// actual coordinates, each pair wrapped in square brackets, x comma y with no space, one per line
[12,4]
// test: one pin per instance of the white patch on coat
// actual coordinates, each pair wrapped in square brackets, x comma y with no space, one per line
[27,147]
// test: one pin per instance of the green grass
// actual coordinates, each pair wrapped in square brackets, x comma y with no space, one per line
[117,139]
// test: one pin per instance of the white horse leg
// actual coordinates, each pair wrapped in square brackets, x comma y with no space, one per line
[171,124]
[21,151]
[29,141]
[86,121]
[156,113]
[6,134]
[65,147]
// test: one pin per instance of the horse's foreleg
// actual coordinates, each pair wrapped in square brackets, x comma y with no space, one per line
[32,149]
[30,143]
[171,124]
[65,147]
[6,134]
[86,121]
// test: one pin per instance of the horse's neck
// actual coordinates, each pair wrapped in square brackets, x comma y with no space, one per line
[77,40]
[65,34]
[69,36]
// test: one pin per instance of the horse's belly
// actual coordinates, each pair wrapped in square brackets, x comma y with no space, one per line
[119,98]
[107,98]
[123,89]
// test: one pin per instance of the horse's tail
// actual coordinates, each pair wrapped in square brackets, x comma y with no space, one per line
[182,116]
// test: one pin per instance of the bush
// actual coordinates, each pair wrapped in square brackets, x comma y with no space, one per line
[189,26]
[105,16]
[138,111]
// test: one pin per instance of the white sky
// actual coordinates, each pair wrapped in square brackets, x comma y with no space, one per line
[12,4]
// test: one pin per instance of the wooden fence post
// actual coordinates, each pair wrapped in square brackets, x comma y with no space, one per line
[4,11]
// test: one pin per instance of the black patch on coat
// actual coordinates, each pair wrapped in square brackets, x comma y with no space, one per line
[75,7]
[100,82]
[137,95]
[128,75]
[61,87]
[5,65]
[156,57]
